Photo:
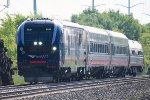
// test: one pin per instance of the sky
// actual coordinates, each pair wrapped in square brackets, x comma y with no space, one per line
[63,9]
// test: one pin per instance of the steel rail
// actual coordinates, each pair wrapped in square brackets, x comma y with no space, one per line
[54,88]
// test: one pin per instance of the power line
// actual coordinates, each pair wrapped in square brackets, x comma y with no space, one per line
[93,5]
[5,6]
[146,14]
[129,6]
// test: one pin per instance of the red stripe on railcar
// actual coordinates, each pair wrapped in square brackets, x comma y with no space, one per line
[119,62]
[37,62]
[99,62]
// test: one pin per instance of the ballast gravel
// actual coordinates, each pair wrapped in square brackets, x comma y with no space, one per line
[127,91]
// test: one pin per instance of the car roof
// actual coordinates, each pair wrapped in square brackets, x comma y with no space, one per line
[95,30]
[134,44]
[116,34]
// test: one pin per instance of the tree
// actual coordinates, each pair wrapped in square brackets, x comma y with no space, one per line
[145,41]
[8,32]
[110,20]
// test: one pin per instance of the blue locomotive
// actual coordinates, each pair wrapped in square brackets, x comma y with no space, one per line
[52,50]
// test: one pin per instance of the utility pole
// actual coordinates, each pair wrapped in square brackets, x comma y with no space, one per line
[129,6]
[34,7]
[93,5]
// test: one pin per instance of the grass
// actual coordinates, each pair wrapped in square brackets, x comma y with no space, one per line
[18,80]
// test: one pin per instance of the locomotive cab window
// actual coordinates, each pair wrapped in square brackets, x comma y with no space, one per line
[37,38]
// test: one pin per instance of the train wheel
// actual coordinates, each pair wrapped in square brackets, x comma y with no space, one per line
[69,79]
[77,77]
[56,80]
[88,76]
[0,80]
[33,83]
[134,72]
[72,77]
[123,73]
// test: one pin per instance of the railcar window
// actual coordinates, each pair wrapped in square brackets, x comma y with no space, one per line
[106,48]
[112,49]
[84,39]
[118,50]
[140,53]
[124,50]
[98,48]
[72,37]
[94,48]
[133,52]
[80,38]
[103,49]
[91,47]
[68,45]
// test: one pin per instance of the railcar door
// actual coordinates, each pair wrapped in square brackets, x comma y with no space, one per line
[80,47]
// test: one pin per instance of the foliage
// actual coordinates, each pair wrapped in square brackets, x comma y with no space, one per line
[18,79]
[110,20]
[145,40]
[8,31]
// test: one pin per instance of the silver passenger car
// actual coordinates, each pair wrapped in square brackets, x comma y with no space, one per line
[136,56]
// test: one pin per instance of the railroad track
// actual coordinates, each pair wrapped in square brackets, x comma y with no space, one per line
[18,92]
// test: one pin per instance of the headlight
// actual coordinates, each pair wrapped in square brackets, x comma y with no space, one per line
[35,43]
[40,43]
[54,48]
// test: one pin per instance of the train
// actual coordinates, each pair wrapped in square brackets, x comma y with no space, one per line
[53,50]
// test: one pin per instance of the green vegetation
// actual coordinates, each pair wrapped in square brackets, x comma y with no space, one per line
[18,79]
[8,31]
[111,20]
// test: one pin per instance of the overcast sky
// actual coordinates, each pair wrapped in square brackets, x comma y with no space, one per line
[63,9]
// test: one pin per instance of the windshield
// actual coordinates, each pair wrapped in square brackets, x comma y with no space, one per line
[38,38]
